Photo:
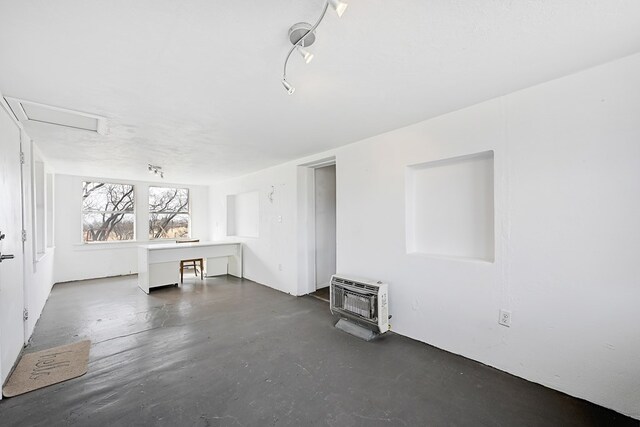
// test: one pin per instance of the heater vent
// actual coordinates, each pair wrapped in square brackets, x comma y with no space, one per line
[359,285]
[364,301]
[27,111]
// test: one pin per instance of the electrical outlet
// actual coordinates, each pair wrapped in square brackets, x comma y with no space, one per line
[505,318]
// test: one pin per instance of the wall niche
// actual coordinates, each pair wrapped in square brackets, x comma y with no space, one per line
[243,214]
[450,207]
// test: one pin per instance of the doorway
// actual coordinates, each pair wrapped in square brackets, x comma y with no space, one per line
[324,198]
[318,185]
[325,225]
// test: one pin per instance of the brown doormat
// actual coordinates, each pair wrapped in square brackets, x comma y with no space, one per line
[46,367]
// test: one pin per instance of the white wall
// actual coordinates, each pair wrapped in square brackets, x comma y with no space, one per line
[567,234]
[38,265]
[75,260]
[270,258]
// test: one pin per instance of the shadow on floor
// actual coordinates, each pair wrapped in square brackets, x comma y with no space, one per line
[321,294]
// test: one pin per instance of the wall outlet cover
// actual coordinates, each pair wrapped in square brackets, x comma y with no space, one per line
[505,318]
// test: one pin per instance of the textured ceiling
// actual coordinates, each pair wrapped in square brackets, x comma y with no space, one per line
[194,85]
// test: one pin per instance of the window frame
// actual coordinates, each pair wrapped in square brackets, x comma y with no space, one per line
[149,212]
[132,212]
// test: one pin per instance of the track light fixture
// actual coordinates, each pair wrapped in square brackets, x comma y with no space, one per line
[303,35]
[308,56]
[338,6]
[156,170]
[290,89]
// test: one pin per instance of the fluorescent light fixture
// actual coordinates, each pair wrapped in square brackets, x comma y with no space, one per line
[308,56]
[33,112]
[338,6]
[290,89]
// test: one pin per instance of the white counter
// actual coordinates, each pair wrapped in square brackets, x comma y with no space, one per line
[159,265]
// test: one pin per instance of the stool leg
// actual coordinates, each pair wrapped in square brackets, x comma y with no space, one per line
[181,272]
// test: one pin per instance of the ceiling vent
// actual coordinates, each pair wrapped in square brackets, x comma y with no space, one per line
[27,111]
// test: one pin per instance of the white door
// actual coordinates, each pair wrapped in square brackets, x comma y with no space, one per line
[11,274]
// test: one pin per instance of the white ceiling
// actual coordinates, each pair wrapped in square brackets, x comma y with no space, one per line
[194,85]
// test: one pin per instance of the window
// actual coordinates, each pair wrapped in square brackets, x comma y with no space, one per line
[40,219]
[168,213]
[107,212]
[49,204]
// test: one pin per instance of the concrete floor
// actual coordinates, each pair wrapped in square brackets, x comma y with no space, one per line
[227,352]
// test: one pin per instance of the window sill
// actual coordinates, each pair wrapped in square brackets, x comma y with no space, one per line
[39,256]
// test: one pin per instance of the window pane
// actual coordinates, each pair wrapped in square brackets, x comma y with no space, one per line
[168,226]
[101,227]
[168,200]
[104,197]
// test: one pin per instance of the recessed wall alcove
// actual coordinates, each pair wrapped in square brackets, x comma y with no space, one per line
[450,207]
[243,214]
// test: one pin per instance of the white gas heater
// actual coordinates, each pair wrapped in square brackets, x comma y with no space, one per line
[362,304]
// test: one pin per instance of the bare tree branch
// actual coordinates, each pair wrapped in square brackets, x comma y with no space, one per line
[112,202]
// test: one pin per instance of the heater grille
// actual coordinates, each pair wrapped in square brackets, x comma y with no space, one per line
[357,303]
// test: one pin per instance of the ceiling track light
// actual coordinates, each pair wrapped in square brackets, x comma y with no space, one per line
[156,170]
[306,55]
[338,6]
[290,89]
[302,35]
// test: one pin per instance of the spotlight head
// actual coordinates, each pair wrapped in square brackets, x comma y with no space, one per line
[290,89]
[338,6]
[308,56]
